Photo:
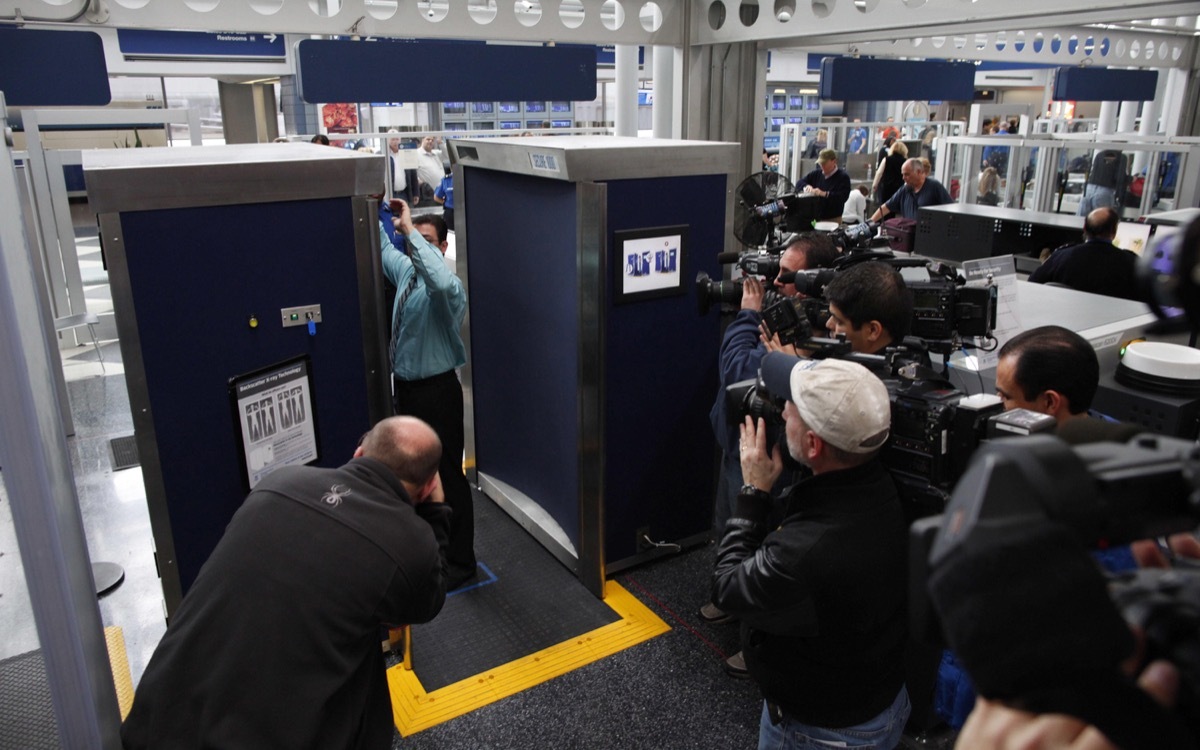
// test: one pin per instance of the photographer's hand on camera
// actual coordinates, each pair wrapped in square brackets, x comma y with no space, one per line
[759,467]
[772,344]
[752,294]
[995,726]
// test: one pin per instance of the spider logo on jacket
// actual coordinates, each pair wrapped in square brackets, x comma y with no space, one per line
[336,494]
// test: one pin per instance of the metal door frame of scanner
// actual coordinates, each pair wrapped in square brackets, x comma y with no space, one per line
[590,405]
[960,231]
[209,250]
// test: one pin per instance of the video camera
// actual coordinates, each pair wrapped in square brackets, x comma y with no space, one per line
[943,307]
[855,238]
[764,263]
[935,428]
[1006,574]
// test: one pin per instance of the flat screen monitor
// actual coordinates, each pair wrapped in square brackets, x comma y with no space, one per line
[482,108]
[484,125]
[510,124]
[560,106]
[1132,236]
[776,124]
[778,102]
[796,102]
[454,108]
[509,107]
[535,106]
[535,124]
[795,121]
[560,123]
[456,126]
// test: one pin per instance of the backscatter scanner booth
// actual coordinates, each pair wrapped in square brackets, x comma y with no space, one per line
[246,289]
[590,369]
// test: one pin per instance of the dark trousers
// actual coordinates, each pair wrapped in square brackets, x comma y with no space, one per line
[438,400]
[448,217]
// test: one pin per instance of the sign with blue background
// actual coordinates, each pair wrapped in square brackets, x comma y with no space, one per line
[154,43]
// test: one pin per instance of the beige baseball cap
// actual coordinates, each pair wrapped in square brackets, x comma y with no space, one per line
[846,405]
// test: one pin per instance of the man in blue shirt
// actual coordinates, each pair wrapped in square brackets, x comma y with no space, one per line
[426,347]
[919,190]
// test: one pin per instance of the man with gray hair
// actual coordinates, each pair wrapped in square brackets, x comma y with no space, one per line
[821,595]
[919,190]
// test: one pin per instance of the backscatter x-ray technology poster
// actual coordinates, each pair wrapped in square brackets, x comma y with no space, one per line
[650,262]
[274,407]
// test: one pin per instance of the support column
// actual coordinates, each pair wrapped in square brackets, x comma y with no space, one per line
[1149,123]
[627,75]
[1127,117]
[1108,118]
[1173,98]
[664,92]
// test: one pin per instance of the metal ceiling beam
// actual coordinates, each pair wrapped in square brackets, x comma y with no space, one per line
[790,23]
[1074,45]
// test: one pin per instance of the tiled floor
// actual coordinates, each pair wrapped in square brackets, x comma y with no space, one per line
[112,503]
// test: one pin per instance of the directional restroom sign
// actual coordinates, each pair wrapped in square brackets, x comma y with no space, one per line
[220,44]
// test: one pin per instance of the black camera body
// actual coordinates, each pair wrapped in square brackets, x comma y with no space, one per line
[935,429]
[942,308]
[793,320]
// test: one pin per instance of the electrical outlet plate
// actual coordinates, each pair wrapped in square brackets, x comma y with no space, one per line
[299,316]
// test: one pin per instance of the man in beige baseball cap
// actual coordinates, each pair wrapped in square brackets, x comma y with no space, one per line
[821,595]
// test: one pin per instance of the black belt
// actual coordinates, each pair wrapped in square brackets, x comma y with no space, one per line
[425,381]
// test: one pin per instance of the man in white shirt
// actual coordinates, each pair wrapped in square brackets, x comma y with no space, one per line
[429,169]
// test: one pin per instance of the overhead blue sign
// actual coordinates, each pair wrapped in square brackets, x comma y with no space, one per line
[608,55]
[224,44]
[1104,84]
[333,71]
[40,68]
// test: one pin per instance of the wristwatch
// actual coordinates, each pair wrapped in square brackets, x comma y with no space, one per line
[749,490]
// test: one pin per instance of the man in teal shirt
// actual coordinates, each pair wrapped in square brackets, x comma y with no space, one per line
[425,349]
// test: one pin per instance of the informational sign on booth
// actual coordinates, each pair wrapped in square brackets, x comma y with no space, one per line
[1000,271]
[274,408]
[650,262]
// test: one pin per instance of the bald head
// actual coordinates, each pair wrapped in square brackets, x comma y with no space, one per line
[406,445]
[1101,224]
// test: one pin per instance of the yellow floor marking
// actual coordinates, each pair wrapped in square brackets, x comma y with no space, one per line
[114,637]
[414,710]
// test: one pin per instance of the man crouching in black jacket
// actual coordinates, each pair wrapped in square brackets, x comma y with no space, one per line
[821,597]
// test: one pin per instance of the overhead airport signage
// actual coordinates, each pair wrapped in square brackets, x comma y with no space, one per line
[152,43]
[40,68]
[332,71]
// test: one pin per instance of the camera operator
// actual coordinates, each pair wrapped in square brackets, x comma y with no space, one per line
[741,352]
[869,304]
[1050,370]
[821,595]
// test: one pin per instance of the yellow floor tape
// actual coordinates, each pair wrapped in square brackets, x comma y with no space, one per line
[119,661]
[415,710]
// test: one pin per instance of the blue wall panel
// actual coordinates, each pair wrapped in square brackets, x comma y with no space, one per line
[384,71]
[523,292]
[660,372]
[41,68]
[1104,85]
[197,275]
[868,79]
